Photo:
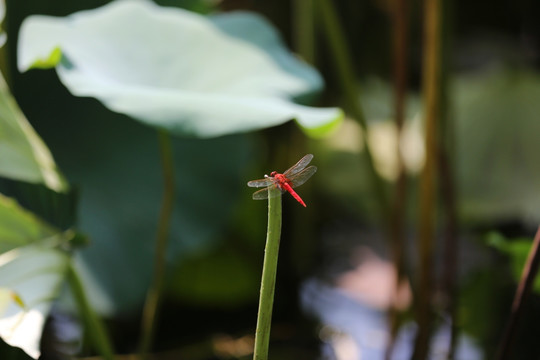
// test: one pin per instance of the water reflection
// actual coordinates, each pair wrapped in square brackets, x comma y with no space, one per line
[352,312]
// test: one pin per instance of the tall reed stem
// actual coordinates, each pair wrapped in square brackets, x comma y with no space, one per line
[522,293]
[153,297]
[348,80]
[268,281]
[426,233]
[304,29]
[398,215]
[448,184]
[96,330]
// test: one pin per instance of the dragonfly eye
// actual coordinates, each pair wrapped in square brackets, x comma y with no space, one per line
[273,173]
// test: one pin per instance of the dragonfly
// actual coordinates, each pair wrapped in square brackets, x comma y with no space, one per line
[293,177]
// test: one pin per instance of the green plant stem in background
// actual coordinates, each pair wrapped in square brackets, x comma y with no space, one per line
[348,80]
[448,183]
[400,32]
[268,281]
[304,29]
[426,231]
[530,270]
[153,297]
[93,324]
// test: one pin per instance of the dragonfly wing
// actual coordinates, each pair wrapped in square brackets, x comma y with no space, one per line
[263,194]
[302,176]
[261,182]
[299,166]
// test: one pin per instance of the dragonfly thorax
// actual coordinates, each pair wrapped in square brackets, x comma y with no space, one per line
[293,177]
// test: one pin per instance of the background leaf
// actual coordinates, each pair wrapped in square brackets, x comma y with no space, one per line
[220,278]
[23,155]
[114,162]
[19,227]
[35,274]
[32,269]
[497,126]
[192,75]
[518,251]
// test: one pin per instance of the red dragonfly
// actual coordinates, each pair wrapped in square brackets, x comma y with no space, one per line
[295,176]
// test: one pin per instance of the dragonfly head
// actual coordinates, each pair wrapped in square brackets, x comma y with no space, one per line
[273,173]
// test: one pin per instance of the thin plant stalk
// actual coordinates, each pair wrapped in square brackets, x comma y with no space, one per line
[398,215]
[268,281]
[304,29]
[530,270]
[450,245]
[96,331]
[348,80]
[448,184]
[426,233]
[153,297]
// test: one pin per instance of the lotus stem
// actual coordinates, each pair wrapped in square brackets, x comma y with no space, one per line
[426,232]
[304,29]
[268,281]
[93,324]
[348,80]
[400,29]
[153,297]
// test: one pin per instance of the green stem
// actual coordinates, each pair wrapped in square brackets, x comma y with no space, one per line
[93,324]
[426,233]
[304,28]
[448,183]
[345,71]
[398,212]
[153,297]
[268,282]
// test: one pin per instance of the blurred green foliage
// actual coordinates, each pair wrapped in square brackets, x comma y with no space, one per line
[518,252]
[218,231]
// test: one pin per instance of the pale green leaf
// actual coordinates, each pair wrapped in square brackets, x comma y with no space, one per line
[7,297]
[19,227]
[35,274]
[48,62]
[32,268]
[23,155]
[324,127]
[173,69]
